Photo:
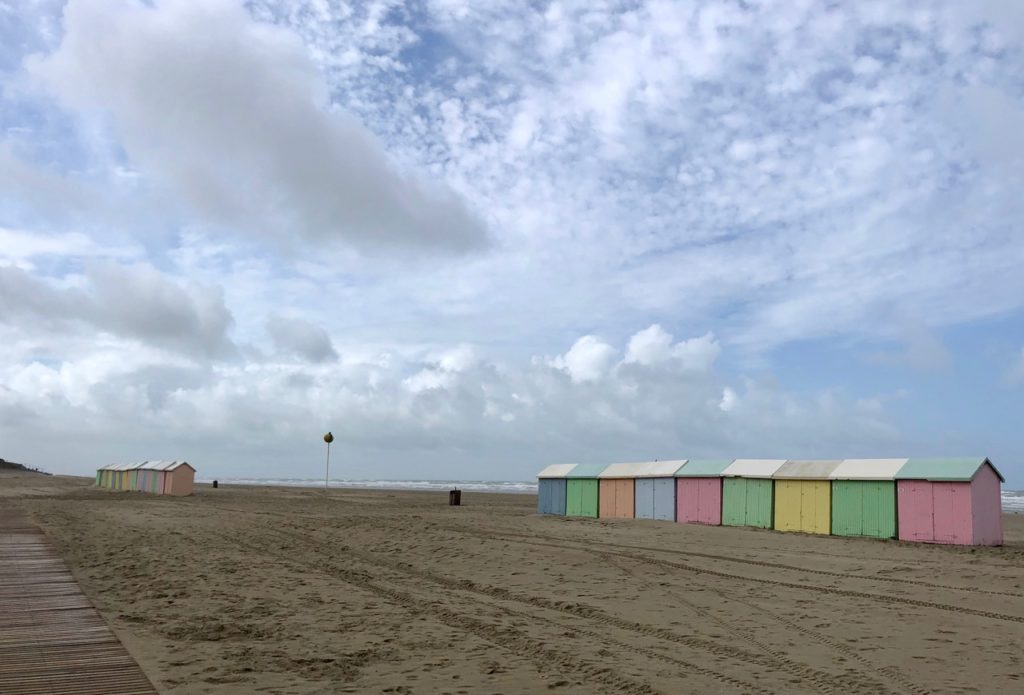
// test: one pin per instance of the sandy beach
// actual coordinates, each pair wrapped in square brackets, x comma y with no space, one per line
[251,589]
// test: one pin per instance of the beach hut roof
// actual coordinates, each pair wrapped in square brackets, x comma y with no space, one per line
[867,469]
[119,467]
[586,470]
[807,469]
[558,470]
[148,466]
[753,468]
[945,469]
[703,468]
[164,465]
[646,469]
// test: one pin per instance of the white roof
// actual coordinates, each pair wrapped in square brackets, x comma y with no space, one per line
[558,470]
[807,469]
[119,467]
[645,469]
[753,468]
[163,465]
[146,466]
[867,469]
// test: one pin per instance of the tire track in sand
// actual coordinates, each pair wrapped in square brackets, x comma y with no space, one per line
[512,640]
[883,598]
[464,586]
[748,561]
[889,673]
[823,681]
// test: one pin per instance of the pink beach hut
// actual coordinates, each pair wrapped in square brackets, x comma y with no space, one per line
[699,491]
[950,501]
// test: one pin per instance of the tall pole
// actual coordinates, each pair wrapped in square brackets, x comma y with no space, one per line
[327,471]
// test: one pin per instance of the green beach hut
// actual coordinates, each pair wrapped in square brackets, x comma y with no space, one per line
[748,492]
[864,497]
[581,489]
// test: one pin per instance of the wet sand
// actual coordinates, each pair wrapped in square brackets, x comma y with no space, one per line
[243,590]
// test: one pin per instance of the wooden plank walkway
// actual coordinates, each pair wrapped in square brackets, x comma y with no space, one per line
[52,640]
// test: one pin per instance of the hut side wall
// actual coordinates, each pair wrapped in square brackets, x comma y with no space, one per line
[643,498]
[551,496]
[699,501]
[803,505]
[664,499]
[747,502]
[581,497]
[179,481]
[986,508]
[864,508]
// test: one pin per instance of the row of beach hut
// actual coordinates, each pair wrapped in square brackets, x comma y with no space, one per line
[952,500]
[157,477]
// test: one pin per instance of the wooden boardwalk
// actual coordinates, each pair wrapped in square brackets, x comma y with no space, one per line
[52,640]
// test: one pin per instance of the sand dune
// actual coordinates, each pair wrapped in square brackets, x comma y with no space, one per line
[242,590]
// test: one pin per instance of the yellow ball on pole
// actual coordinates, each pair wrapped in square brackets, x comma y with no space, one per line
[327,470]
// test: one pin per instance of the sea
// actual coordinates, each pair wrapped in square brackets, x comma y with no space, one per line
[513,486]
[1013,500]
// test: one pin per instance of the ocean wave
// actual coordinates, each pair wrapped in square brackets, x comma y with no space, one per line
[1013,501]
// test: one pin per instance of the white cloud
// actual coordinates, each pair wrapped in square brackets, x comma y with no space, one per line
[654,345]
[514,416]
[232,116]
[24,248]
[296,336]
[135,302]
[729,400]
[587,360]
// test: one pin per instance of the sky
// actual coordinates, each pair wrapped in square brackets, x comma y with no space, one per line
[474,239]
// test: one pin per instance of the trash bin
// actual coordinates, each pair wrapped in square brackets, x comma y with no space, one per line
[454,498]
[215,483]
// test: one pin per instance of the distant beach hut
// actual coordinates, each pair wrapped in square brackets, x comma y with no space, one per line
[803,496]
[699,491]
[950,500]
[551,488]
[581,489]
[158,477]
[864,497]
[747,492]
[179,476]
[654,490]
[119,475]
